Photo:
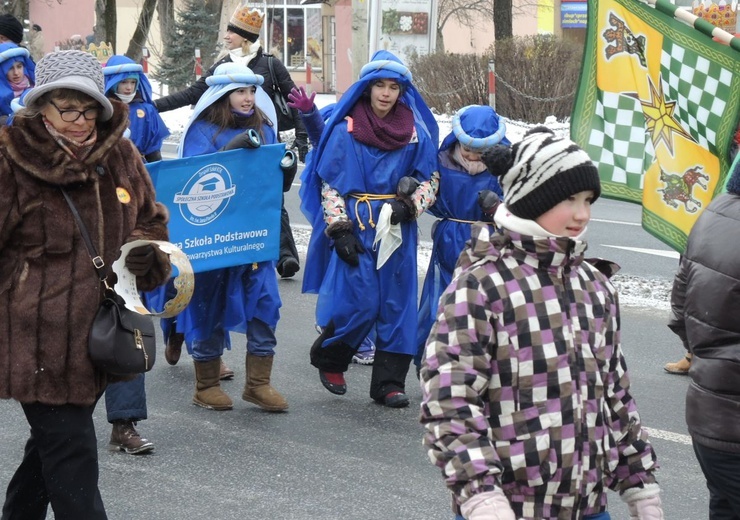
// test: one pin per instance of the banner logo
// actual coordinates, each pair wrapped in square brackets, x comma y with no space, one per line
[206,195]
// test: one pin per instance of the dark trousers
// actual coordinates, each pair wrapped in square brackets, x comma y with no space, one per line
[389,374]
[389,369]
[722,471]
[60,466]
[287,242]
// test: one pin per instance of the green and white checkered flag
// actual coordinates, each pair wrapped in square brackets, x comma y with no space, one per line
[657,108]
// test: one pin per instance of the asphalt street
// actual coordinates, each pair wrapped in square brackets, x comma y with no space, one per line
[344,457]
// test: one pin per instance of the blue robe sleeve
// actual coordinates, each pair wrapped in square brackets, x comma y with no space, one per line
[314,125]
[148,130]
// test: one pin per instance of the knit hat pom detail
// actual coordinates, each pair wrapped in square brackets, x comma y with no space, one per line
[498,160]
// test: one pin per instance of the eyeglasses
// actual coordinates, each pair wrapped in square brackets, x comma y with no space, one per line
[70,116]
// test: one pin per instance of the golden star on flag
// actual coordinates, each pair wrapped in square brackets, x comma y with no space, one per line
[660,119]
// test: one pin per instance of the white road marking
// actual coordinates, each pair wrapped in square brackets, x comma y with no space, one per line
[679,438]
[606,221]
[656,252]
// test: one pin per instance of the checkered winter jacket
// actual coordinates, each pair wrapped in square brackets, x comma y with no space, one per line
[524,382]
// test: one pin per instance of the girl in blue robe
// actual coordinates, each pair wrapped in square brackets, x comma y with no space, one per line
[243,298]
[148,130]
[379,147]
[463,176]
[18,75]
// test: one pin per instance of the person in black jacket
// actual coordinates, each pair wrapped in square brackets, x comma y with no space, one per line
[242,42]
[704,303]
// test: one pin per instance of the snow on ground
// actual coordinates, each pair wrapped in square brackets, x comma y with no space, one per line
[633,291]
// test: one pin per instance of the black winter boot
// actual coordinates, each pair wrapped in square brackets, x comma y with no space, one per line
[332,361]
[388,381]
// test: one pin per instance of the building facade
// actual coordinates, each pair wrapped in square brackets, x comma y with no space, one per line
[315,38]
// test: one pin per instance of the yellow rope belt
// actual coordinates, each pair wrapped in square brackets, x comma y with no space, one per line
[366,198]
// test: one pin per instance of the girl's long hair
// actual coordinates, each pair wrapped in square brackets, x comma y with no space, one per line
[222,117]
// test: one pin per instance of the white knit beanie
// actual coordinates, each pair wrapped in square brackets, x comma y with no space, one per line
[75,70]
[540,171]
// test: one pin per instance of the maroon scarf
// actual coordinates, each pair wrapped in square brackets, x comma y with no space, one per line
[390,133]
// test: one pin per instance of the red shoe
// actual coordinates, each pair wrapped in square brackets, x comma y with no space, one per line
[334,382]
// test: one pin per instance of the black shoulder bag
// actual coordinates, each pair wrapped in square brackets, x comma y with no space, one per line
[121,341]
[284,113]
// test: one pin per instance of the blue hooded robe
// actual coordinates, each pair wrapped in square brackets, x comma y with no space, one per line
[148,130]
[478,128]
[356,299]
[227,299]
[10,53]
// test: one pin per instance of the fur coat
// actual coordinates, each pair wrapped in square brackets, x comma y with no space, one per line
[49,290]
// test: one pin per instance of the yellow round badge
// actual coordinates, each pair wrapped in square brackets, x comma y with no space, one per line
[140,113]
[123,195]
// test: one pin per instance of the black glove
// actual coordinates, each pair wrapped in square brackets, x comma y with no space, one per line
[348,247]
[247,139]
[289,165]
[140,260]
[401,212]
[406,186]
[302,153]
[301,144]
[488,201]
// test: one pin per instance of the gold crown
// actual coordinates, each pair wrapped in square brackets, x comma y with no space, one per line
[247,19]
[720,15]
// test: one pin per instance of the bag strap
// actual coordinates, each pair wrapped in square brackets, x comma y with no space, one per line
[275,86]
[97,260]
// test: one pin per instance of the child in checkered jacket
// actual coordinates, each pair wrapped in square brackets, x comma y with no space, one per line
[526,399]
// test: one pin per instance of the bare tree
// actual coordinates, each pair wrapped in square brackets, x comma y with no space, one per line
[502,20]
[107,22]
[138,40]
[18,8]
[166,13]
[466,12]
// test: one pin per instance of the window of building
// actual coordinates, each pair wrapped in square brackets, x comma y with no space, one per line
[294,33]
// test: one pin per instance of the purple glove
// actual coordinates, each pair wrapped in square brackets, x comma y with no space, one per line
[298,99]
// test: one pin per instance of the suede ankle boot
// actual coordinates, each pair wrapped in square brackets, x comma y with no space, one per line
[208,393]
[681,367]
[257,389]
[225,374]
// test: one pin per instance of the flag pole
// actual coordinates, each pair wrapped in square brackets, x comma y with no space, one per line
[697,23]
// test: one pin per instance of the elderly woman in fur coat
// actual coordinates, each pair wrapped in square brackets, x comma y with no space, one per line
[69,137]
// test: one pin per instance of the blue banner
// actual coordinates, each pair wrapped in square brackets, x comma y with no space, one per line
[224,207]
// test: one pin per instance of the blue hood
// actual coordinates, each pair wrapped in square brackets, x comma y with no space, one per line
[121,67]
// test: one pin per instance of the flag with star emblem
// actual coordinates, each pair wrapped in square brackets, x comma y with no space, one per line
[657,107]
